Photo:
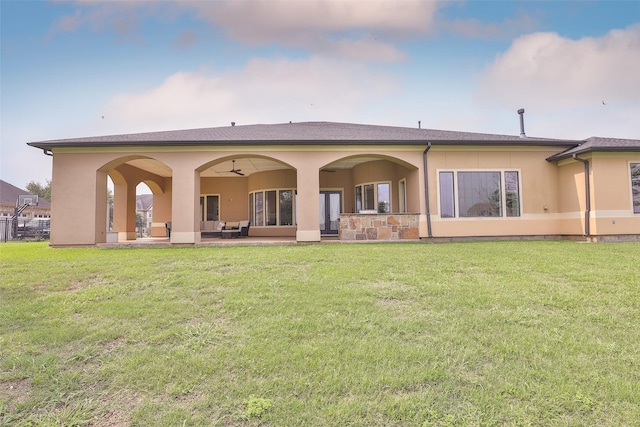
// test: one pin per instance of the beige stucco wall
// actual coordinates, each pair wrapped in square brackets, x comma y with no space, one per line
[611,210]
[79,205]
[161,208]
[540,194]
[386,171]
[80,182]
[232,192]
[340,180]
[612,203]
[552,195]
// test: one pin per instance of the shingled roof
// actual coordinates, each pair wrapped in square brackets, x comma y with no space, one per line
[599,144]
[305,133]
[9,195]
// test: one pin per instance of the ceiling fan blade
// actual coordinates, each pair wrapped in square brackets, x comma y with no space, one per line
[238,172]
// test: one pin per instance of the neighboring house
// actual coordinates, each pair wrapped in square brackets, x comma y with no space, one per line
[144,208]
[316,179]
[9,195]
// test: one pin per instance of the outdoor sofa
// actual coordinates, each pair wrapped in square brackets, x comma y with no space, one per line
[224,229]
[212,228]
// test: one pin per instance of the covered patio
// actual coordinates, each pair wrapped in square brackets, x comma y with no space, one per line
[287,188]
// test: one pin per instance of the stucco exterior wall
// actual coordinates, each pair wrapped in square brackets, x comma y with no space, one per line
[552,195]
[79,205]
[539,192]
[340,180]
[612,202]
[232,191]
[161,209]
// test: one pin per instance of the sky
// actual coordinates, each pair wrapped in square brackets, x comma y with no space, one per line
[87,67]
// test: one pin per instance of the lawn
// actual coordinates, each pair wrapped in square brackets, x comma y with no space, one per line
[464,334]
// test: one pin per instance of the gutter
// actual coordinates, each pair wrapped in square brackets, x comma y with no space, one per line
[93,143]
[426,188]
[587,212]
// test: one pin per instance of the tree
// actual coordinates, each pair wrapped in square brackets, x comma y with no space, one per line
[140,223]
[40,190]
[110,208]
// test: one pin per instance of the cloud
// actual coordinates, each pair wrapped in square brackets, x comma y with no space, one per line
[245,20]
[186,39]
[356,29]
[475,28]
[263,91]
[119,17]
[551,72]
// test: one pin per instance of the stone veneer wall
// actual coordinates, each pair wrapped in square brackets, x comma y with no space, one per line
[379,226]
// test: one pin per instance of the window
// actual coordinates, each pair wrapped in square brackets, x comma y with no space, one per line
[259,207]
[271,207]
[374,197]
[512,193]
[286,207]
[209,208]
[402,195]
[472,194]
[447,203]
[635,187]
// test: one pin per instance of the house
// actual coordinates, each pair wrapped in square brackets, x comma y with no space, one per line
[9,201]
[144,212]
[315,179]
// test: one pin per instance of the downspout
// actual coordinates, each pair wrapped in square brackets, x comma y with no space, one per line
[426,188]
[587,212]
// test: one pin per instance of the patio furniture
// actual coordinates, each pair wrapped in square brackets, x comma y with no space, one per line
[234,230]
[230,234]
[212,228]
[244,228]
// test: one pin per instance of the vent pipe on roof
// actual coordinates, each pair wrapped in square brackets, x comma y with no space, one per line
[521,112]
[233,123]
[419,125]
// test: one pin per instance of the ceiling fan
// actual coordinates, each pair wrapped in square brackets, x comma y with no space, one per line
[234,170]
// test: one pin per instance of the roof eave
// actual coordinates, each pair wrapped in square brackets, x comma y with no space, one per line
[49,145]
[569,153]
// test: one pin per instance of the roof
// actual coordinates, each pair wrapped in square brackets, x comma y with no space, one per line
[599,144]
[144,202]
[9,195]
[304,133]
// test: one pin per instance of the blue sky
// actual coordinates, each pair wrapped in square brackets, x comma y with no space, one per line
[84,68]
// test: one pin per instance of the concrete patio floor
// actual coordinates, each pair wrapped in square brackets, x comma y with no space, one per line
[215,241]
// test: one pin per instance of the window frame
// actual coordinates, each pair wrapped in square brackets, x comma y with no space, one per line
[360,204]
[635,209]
[262,221]
[504,209]
[204,206]
[402,195]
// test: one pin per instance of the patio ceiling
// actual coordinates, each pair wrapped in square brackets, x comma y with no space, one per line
[248,166]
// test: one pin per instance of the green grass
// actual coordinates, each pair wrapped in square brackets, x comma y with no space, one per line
[470,334]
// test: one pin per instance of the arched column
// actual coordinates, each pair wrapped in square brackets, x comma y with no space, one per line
[161,209]
[124,214]
[185,223]
[308,205]
[79,191]
[101,207]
